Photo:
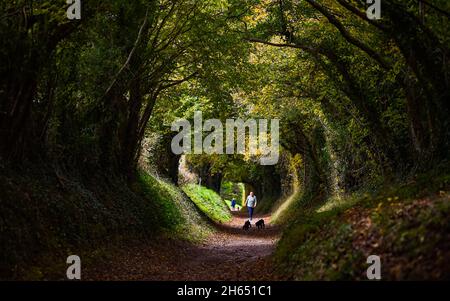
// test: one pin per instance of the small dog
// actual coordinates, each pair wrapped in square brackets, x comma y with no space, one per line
[247,225]
[260,224]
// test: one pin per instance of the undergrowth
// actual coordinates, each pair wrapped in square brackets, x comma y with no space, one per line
[405,224]
[48,213]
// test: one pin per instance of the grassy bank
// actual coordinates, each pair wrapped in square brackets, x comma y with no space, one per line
[179,215]
[209,202]
[406,225]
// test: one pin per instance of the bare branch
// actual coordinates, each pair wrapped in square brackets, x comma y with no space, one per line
[136,43]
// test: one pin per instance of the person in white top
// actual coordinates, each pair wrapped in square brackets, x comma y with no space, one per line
[250,203]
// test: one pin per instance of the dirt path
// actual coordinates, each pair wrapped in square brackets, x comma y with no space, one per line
[229,254]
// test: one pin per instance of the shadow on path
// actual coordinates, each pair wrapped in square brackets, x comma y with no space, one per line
[231,253]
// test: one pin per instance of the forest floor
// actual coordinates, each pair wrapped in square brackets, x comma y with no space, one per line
[411,237]
[230,253]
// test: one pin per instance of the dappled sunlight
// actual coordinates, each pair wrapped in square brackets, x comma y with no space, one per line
[285,205]
[336,202]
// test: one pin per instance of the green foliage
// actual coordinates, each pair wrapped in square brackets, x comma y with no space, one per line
[336,71]
[230,190]
[209,202]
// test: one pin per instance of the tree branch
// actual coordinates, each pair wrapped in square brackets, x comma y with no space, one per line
[352,40]
[136,43]
[361,15]
[445,13]
[177,82]
[297,46]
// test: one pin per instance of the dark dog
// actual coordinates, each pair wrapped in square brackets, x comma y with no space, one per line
[260,224]
[247,225]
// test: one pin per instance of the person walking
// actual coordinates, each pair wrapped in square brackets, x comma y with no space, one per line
[233,204]
[250,202]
